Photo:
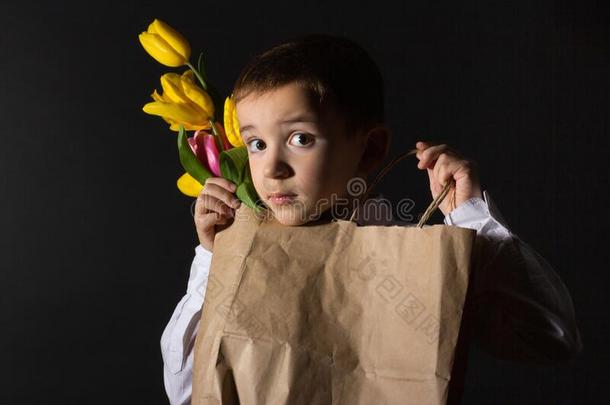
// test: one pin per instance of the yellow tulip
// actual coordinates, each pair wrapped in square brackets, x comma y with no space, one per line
[231,124]
[189,186]
[165,44]
[182,102]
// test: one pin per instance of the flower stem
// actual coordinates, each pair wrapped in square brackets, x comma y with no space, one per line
[203,83]
[212,122]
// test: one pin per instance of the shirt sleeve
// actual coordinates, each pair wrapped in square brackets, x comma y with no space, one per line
[178,338]
[521,309]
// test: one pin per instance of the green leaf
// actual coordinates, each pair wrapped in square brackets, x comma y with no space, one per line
[233,163]
[201,67]
[234,167]
[247,193]
[212,91]
[199,61]
[188,160]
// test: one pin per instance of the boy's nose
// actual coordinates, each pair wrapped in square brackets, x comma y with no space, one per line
[276,167]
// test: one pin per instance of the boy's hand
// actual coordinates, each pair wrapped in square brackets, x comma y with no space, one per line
[443,164]
[215,206]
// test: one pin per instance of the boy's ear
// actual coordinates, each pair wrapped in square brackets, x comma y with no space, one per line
[375,148]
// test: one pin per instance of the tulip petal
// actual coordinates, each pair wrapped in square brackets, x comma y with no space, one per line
[202,100]
[235,124]
[160,109]
[172,88]
[172,37]
[193,143]
[189,186]
[196,94]
[188,160]
[168,121]
[157,97]
[198,147]
[212,154]
[175,112]
[175,126]
[160,50]
[230,123]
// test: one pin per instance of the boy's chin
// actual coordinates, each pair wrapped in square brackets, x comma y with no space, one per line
[293,216]
[289,217]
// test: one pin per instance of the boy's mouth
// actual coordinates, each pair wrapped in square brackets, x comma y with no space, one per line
[281,198]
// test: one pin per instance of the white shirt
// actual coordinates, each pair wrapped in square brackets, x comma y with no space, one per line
[524,311]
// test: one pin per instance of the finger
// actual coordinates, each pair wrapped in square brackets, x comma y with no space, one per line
[422,145]
[221,193]
[433,183]
[221,189]
[457,171]
[209,204]
[207,224]
[210,220]
[445,168]
[222,182]
[466,169]
[428,157]
[461,173]
[220,222]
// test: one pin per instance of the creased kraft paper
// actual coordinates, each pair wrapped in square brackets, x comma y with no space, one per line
[331,313]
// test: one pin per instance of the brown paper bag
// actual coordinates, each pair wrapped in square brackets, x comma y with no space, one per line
[331,313]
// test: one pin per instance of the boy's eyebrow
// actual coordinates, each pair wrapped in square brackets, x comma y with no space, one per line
[298,118]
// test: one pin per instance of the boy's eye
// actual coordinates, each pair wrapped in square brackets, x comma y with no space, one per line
[301,139]
[256,145]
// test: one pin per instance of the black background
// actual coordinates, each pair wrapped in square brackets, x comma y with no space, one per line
[97,241]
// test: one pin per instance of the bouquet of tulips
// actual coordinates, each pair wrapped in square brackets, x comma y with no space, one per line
[190,103]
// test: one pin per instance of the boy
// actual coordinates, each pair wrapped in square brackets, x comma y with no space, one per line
[311,115]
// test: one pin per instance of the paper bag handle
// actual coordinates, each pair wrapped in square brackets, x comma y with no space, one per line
[433,205]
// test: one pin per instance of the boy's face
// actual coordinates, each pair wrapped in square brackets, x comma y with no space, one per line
[299,156]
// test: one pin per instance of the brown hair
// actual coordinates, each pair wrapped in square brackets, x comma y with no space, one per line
[332,68]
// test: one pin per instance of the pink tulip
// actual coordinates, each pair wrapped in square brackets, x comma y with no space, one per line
[212,154]
[198,148]
[204,147]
